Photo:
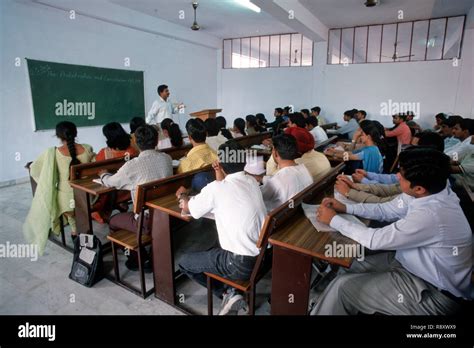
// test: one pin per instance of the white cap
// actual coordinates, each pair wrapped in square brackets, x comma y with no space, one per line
[255,165]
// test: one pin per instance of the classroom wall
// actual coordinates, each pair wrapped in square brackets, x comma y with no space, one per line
[437,86]
[43,33]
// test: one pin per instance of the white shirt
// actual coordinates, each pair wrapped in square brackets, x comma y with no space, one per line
[160,110]
[458,151]
[431,236]
[284,184]
[318,134]
[238,207]
[216,141]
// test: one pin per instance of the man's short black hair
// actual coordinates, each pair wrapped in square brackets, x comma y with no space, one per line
[285,145]
[211,127]
[221,122]
[441,116]
[363,112]
[468,124]
[455,119]
[316,109]
[312,120]
[161,88]
[401,115]
[298,119]
[135,123]
[350,113]
[231,163]
[197,130]
[305,111]
[146,137]
[279,110]
[425,167]
[431,139]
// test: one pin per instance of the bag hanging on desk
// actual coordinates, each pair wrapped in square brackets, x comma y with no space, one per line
[87,265]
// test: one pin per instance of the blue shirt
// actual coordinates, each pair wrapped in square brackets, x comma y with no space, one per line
[376,178]
[349,128]
[371,158]
[450,141]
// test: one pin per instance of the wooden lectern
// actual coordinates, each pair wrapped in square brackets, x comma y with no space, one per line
[205,114]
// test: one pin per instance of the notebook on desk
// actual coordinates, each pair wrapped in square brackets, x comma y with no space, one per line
[310,213]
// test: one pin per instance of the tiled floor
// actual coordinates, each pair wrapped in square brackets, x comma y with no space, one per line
[43,286]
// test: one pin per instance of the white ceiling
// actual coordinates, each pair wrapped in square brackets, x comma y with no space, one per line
[350,13]
[220,18]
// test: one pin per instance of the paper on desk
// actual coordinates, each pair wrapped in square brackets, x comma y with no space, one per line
[97,181]
[310,212]
[260,147]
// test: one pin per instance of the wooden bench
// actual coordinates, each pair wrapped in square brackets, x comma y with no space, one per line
[133,241]
[160,198]
[278,218]
[81,181]
[296,242]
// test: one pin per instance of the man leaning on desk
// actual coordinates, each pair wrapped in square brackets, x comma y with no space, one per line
[427,270]
[162,108]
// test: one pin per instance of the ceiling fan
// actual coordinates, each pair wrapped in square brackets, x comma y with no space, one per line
[395,55]
[195,25]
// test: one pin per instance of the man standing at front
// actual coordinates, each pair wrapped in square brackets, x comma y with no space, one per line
[162,108]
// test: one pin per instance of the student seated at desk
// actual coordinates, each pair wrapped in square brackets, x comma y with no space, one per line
[370,154]
[239,128]
[360,115]
[446,131]
[290,179]
[118,145]
[261,121]
[201,154]
[428,270]
[347,131]
[278,114]
[401,131]
[315,162]
[214,138]
[150,165]
[135,123]
[439,119]
[464,169]
[171,135]
[316,112]
[222,125]
[232,191]
[464,131]
[252,126]
[54,195]
[316,131]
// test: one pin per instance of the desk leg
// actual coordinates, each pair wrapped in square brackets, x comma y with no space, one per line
[291,276]
[82,212]
[163,258]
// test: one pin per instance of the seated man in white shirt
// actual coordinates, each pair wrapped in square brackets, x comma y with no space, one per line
[430,271]
[149,165]
[237,204]
[464,131]
[290,179]
[316,131]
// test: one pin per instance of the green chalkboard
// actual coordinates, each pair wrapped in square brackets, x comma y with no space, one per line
[85,95]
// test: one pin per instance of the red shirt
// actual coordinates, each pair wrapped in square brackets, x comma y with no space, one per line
[108,153]
[402,132]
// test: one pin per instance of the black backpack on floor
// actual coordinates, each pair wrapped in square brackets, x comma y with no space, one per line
[87,265]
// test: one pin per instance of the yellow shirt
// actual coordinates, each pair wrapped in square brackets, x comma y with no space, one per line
[199,156]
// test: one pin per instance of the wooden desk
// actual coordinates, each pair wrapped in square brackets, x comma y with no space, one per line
[294,247]
[329,126]
[168,204]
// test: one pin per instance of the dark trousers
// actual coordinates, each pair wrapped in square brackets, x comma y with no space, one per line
[127,221]
[217,261]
